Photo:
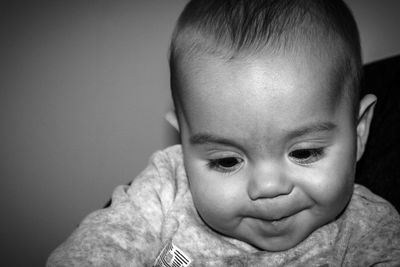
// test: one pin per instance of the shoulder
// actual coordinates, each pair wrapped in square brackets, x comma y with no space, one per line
[128,231]
[163,166]
[369,211]
[365,204]
[375,228]
[169,155]
[164,178]
[168,160]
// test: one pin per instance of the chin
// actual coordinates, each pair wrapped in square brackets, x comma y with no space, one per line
[278,243]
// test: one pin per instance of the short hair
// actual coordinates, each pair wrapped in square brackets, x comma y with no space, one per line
[233,28]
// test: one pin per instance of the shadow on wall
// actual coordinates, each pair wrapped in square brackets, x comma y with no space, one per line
[172,136]
[83,91]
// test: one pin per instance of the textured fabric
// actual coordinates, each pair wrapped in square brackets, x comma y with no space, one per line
[157,209]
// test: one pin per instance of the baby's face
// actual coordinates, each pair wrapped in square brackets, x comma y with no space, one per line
[269,146]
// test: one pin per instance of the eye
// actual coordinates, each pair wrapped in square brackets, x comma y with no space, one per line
[306,156]
[225,165]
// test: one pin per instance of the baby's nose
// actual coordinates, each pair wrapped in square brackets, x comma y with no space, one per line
[268,180]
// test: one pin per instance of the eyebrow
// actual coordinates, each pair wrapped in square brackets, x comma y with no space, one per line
[207,138]
[312,129]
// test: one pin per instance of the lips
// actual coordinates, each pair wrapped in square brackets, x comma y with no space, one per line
[275,219]
[273,228]
[277,211]
[276,224]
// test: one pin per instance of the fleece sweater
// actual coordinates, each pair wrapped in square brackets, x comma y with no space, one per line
[153,222]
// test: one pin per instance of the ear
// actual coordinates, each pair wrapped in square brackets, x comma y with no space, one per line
[172,119]
[365,115]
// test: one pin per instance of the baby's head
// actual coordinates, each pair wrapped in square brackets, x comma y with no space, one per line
[266,96]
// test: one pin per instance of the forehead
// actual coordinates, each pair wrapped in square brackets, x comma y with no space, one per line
[292,86]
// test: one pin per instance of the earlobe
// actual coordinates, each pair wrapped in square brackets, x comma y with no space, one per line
[172,119]
[365,115]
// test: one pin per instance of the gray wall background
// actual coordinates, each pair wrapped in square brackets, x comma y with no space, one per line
[83,90]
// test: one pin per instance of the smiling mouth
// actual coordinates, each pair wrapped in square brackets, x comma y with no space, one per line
[276,221]
[276,225]
[281,220]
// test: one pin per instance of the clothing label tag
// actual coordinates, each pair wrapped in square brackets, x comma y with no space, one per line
[172,256]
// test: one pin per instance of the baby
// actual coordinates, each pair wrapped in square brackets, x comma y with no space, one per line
[267,105]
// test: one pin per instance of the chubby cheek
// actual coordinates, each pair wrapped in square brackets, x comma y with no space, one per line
[333,186]
[216,199]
